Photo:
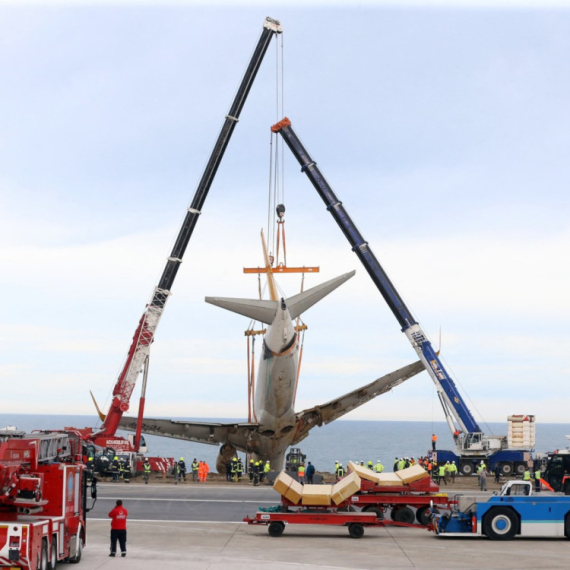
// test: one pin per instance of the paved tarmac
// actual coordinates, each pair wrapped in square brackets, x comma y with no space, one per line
[199,527]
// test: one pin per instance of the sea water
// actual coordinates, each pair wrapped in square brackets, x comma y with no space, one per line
[342,440]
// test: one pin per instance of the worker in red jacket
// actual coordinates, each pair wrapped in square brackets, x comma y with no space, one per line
[118,528]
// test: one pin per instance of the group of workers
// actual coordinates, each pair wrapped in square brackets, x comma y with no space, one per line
[120,468]
[199,469]
[340,471]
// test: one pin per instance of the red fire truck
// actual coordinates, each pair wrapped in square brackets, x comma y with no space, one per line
[43,485]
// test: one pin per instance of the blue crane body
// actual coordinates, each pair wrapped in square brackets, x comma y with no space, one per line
[473,444]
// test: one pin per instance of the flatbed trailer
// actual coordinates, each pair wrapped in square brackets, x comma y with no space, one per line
[355,522]
[422,495]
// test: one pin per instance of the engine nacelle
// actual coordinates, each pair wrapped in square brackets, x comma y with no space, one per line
[227,451]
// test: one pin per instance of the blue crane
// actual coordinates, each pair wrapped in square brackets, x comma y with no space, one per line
[472,444]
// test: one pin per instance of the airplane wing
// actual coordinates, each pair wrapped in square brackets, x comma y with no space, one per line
[319,415]
[240,435]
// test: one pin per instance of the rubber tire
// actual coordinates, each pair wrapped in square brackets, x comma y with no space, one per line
[77,558]
[356,530]
[466,469]
[379,512]
[44,561]
[404,515]
[500,514]
[507,469]
[422,517]
[520,468]
[275,528]
[53,558]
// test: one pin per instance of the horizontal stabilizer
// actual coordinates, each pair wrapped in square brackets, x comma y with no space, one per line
[262,311]
[300,303]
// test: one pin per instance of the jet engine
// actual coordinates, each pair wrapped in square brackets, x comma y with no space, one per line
[227,451]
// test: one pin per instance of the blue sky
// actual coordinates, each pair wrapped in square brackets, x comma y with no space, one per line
[443,129]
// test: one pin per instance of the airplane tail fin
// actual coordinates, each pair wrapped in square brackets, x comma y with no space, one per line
[300,303]
[265,311]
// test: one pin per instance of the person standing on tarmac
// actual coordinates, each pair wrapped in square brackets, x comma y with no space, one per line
[194,470]
[250,470]
[309,473]
[146,471]
[441,474]
[301,473]
[182,467]
[378,468]
[239,469]
[537,478]
[498,473]
[483,478]
[118,518]
[266,468]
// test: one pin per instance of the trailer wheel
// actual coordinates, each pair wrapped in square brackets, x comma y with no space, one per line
[43,562]
[507,469]
[356,530]
[423,515]
[53,554]
[500,524]
[403,515]
[275,528]
[377,510]
[466,468]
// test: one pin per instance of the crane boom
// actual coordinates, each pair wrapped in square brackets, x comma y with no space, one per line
[451,400]
[144,334]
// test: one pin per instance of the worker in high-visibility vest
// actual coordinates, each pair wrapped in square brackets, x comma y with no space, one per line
[239,469]
[233,469]
[194,470]
[453,471]
[146,471]
[441,474]
[301,473]
[537,478]
[526,476]
[378,468]
[266,468]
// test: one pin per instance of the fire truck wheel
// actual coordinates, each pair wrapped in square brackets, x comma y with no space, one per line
[53,555]
[43,562]
[500,524]
[403,515]
[377,510]
[77,558]
[275,528]
[356,530]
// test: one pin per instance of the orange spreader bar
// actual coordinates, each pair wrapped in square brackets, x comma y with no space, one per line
[282,269]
